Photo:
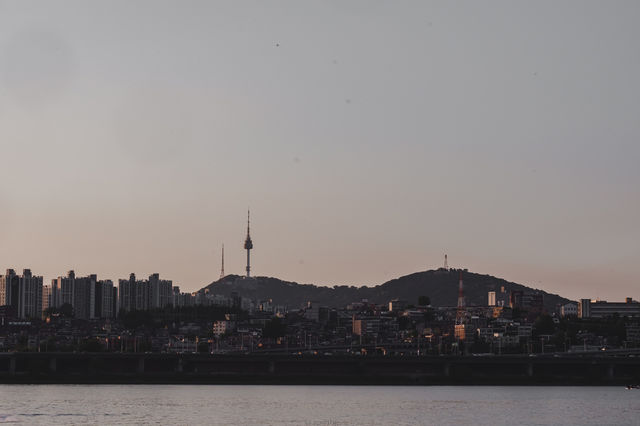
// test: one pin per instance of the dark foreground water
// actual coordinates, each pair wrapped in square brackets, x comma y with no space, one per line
[318,405]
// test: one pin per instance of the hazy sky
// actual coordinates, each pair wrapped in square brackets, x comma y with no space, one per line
[368,138]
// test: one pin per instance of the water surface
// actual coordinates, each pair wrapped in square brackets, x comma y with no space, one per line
[318,405]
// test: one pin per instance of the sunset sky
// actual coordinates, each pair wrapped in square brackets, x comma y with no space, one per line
[368,138]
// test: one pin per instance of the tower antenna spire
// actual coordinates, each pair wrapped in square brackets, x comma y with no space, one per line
[222,268]
[248,244]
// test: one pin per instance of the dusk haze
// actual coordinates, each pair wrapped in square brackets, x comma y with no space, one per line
[368,139]
[339,192]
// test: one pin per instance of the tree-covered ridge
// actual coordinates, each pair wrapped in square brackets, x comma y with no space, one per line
[441,286]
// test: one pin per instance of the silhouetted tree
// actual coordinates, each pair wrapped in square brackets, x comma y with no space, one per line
[90,345]
[65,311]
[274,329]
[203,347]
[424,300]
[544,325]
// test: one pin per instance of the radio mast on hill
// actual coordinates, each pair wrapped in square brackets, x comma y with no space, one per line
[222,268]
[248,245]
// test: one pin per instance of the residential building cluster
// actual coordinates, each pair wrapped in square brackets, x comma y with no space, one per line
[26,297]
[84,313]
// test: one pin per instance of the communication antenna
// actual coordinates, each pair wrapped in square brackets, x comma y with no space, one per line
[222,268]
[248,245]
[446,263]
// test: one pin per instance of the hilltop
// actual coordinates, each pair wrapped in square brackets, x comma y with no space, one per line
[440,285]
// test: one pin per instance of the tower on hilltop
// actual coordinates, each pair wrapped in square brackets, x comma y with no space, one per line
[222,268]
[248,245]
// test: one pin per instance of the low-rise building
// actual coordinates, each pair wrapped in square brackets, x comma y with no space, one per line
[397,305]
[633,333]
[491,296]
[601,309]
[569,309]
[223,327]
[366,326]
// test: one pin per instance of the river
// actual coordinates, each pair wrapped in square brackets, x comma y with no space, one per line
[318,405]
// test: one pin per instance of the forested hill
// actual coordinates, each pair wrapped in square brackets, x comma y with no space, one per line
[440,285]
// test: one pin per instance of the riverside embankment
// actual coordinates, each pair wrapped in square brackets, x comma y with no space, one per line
[309,369]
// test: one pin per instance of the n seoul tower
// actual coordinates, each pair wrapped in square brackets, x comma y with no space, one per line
[248,245]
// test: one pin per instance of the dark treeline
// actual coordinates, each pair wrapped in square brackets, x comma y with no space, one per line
[169,316]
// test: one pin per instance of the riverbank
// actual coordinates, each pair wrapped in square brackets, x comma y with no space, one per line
[117,368]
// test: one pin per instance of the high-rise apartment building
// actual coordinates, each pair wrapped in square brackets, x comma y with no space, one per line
[154,293]
[160,292]
[22,292]
[105,299]
[90,298]
[9,292]
[127,294]
[30,299]
[63,290]
[84,296]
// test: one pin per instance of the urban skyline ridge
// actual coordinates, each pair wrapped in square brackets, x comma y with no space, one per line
[349,192]
[248,246]
[295,275]
[138,314]
[116,278]
[506,137]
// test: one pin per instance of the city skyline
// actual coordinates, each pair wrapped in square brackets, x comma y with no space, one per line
[444,266]
[248,245]
[368,139]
